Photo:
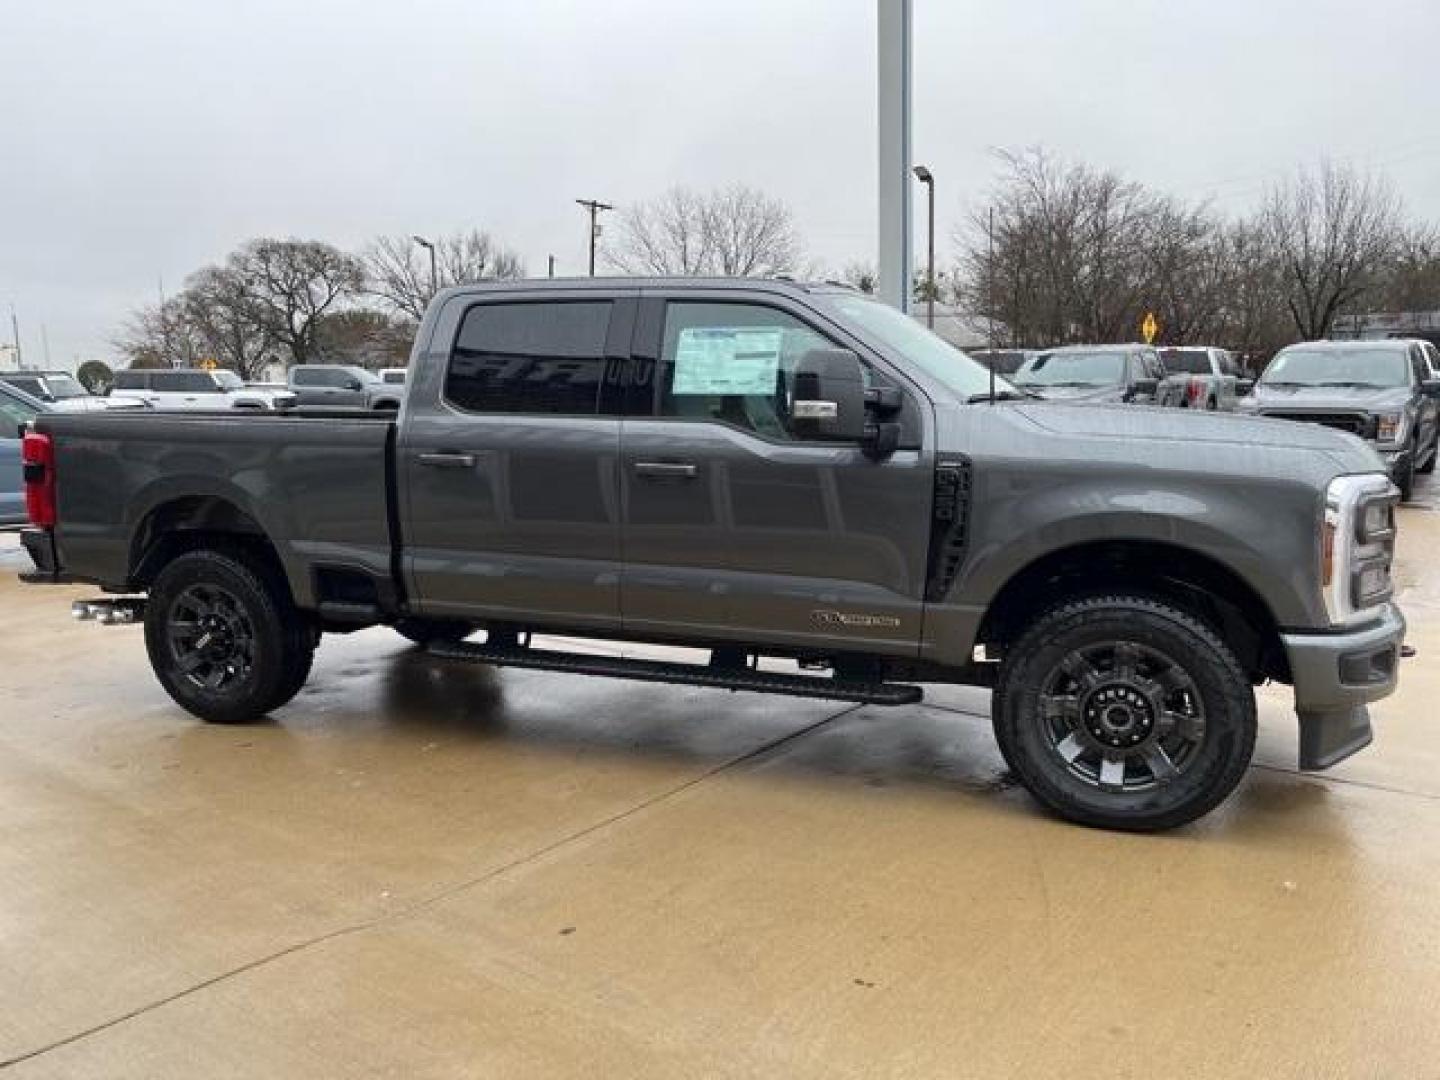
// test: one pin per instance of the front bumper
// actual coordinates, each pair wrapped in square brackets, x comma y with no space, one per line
[1336,676]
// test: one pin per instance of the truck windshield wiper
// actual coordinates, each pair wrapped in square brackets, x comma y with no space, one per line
[1001,395]
[1352,385]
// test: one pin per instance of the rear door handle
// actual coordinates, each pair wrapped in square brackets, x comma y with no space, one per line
[666,470]
[448,460]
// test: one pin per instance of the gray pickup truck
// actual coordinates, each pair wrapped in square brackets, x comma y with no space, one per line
[759,468]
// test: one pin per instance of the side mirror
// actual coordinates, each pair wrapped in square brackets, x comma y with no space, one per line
[353,384]
[1244,386]
[1146,386]
[828,396]
[1431,387]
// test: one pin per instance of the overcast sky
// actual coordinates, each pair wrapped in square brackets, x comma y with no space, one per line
[140,139]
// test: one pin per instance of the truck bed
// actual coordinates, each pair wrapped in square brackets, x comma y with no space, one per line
[318,483]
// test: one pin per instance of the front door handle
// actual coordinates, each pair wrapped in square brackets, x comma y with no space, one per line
[448,460]
[666,470]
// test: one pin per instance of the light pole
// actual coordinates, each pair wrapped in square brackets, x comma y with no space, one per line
[594,207]
[928,179]
[428,246]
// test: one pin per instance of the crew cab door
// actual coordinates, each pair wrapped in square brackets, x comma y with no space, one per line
[509,452]
[735,527]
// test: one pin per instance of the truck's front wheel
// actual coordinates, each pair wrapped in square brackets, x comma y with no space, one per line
[224,637]
[1124,712]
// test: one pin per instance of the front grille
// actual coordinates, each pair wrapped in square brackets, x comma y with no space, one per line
[1362,424]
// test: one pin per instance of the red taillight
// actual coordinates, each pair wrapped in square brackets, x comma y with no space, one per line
[37,453]
[1196,390]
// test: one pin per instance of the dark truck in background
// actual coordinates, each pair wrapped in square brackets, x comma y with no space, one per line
[759,468]
[1382,391]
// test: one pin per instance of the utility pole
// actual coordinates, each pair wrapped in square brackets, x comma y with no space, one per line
[434,278]
[594,207]
[926,177]
[15,336]
[893,39]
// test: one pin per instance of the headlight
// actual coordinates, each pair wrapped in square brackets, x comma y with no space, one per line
[1357,542]
[1390,427]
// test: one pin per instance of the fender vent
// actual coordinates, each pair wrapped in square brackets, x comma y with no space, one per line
[949,525]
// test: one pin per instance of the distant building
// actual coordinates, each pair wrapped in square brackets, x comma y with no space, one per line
[1389,324]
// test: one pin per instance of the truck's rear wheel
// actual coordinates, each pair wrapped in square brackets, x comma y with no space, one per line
[224,637]
[1125,713]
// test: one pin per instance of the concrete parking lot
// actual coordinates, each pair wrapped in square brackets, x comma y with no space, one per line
[421,869]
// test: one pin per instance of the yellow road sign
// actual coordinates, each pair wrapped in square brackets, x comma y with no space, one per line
[1149,327]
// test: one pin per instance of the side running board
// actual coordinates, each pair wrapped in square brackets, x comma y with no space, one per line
[616,667]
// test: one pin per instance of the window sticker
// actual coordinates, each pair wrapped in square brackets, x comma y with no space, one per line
[716,360]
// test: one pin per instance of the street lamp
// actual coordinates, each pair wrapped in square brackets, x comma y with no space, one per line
[928,179]
[428,246]
[594,207]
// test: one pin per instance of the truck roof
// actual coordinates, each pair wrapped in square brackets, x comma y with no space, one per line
[609,284]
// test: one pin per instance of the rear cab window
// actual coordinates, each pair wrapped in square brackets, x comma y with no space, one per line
[536,357]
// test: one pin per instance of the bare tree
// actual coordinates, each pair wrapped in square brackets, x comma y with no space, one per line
[1412,280]
[217,306]
[399,272]
[286,286]
[737,231]
[160,336]
[1331,232]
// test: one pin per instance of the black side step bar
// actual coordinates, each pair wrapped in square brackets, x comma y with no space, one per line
[616,667]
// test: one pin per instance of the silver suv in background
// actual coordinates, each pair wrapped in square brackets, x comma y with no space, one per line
[1133,374]
[342,386]
[62,391]
[194,388]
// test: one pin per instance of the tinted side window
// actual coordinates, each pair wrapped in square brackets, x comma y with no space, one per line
[188,382]
[733,363]
[130,380]
[338,378]
[537,358]
[304,376]
[1417,362]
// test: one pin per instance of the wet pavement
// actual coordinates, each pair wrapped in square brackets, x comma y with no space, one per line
[422,869]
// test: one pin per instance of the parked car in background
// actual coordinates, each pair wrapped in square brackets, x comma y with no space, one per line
[1379,390]
[342,386]
[1204,377]
[17,408]
[193,388]
[395,376]
[1001,361]
[65,392]
[1098,373]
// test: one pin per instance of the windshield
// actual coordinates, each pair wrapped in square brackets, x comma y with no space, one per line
[1073,369]
[228,380]
[65,386]
[1358,367]
[934,354]
[1189,361]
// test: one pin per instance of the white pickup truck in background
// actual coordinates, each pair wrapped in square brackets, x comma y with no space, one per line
[194,388]
[1208,378]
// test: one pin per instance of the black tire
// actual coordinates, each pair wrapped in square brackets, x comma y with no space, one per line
[1174,687]
[1212,405]
[1429,466]
[1406,480]
[224,638]
[430,631]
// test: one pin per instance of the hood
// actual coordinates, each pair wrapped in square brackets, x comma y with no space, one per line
[1075,393]
[1320,398]
[1183,427]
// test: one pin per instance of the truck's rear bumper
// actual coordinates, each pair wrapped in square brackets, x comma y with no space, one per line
[40,545]
[1336,676]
